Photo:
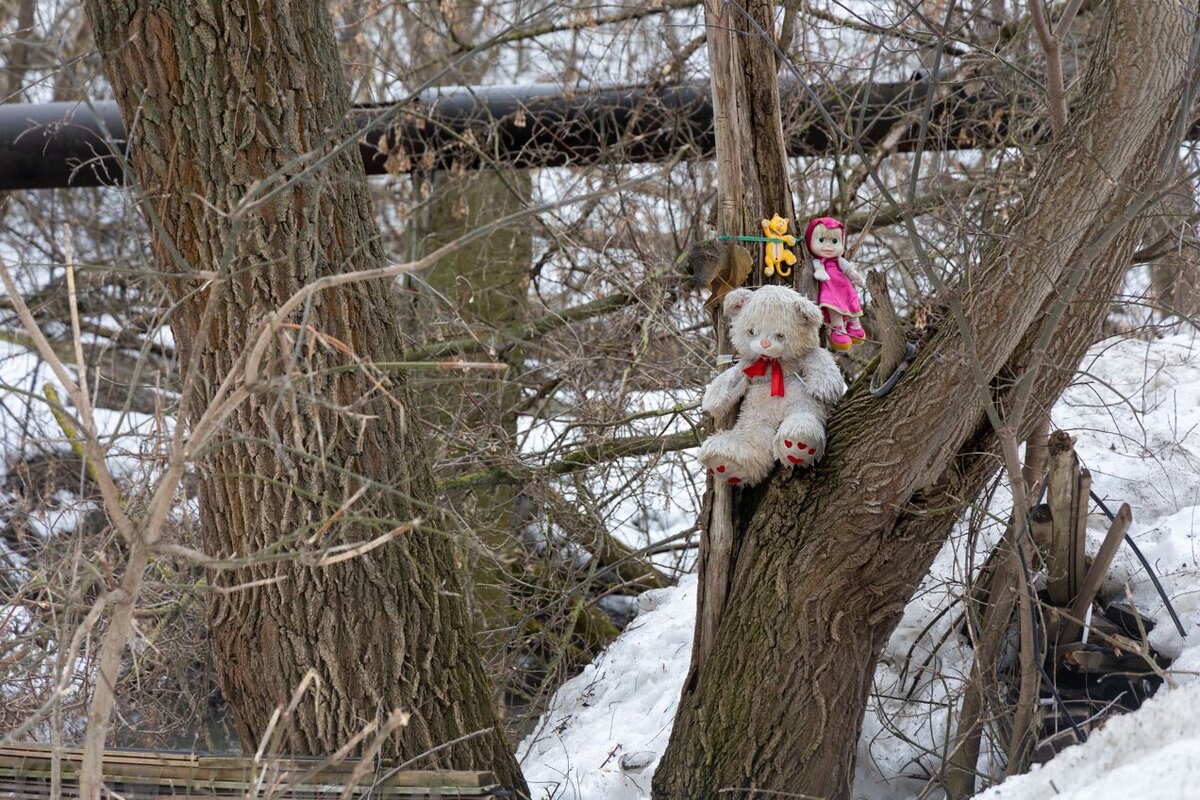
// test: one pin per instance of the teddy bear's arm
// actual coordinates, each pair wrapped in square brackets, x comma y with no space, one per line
[819,270]
[724,391]
[822,377]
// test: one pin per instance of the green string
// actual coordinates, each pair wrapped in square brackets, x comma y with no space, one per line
[725,237]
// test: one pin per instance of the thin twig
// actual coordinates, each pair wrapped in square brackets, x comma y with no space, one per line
[1056,93]
[266,334]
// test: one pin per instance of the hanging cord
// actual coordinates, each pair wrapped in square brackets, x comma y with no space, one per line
[910,352]
[1149,569]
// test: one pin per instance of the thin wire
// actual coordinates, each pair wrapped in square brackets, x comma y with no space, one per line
[1149,569]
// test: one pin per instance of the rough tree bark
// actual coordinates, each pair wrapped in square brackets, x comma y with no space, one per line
[237,114]
[1175,270]
[485,285]
[828,560]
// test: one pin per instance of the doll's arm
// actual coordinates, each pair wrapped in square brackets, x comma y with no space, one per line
[724,391]
[851,272]
[822,377]
[819,270]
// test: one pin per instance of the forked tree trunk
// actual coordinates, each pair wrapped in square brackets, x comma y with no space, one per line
[828,560]
[237,113]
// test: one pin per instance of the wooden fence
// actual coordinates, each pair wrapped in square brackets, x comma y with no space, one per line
[25,772]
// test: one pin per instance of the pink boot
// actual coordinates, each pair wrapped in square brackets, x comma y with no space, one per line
[838,339]
[854,330]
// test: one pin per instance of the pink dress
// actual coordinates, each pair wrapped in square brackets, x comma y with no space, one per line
[837,294]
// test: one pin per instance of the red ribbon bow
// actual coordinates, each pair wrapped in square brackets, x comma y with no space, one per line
[759,367]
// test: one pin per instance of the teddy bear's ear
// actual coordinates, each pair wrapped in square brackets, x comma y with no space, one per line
[735,301]
[810,315]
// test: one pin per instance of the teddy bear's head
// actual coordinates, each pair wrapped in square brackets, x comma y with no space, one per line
[772,321]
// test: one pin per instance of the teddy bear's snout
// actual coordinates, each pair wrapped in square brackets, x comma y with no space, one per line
[766,343]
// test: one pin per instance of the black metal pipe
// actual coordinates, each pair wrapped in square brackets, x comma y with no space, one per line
[60,145]
[72,144]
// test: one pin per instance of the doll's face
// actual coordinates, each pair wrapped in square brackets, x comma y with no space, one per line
[827,243]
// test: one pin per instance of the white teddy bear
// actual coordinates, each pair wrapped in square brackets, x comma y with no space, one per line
[786,383]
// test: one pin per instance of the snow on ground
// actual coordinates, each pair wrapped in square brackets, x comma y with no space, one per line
[28,428]
[619,707]
[1135,410]
[26,422]
[1152,753]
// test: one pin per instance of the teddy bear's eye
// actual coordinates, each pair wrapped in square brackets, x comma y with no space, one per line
[835,241]
[821,239]
[779,336]
[752,333]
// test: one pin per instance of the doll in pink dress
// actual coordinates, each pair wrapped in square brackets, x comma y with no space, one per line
[836,277]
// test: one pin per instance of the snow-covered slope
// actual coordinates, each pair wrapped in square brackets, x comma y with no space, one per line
[620,707]
[1135,411]
[1152,753]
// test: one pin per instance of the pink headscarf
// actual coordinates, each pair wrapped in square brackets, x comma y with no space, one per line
[829,222]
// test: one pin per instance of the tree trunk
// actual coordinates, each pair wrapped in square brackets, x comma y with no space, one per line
[485,285]
[237,114]
[20,50]
[1175,270]
[751,156]
[829,559]
[752,184]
